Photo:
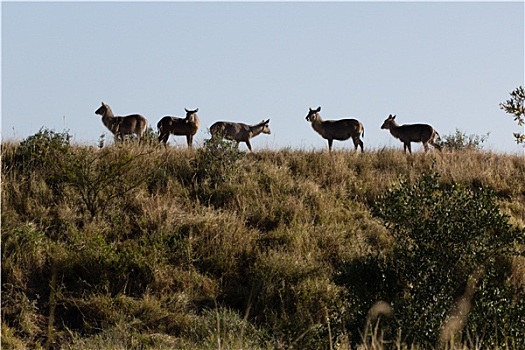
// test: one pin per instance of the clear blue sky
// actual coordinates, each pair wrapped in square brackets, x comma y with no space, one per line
[442,63]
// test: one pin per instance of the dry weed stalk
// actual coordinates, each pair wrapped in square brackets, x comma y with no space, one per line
[458,317]
[380,308]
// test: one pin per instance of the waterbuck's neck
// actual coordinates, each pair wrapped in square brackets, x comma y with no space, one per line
[317,123]
[393,127]
[256,129]
[108,113]
[109,119]
[317,119]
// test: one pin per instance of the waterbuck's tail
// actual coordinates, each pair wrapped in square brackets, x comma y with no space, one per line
[436,141]
[437,137]
[161,127]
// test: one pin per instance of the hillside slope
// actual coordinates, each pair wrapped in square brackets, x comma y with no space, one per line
[137,247]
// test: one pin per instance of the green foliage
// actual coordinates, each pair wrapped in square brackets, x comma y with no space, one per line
[100,178]
[461,141]
[96,179]
[444,235]
[40,150]
[516,106]
[150,137]
[216,166]
[217,161]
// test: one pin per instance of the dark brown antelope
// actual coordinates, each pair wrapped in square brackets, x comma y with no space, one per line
[122,126]
[408,133]
[239,132]
[179,126]
[340,130]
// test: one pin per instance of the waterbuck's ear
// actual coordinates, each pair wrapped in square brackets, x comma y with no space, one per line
[266,122]
[394,117]
[186,110]
[195,111]
[318,109]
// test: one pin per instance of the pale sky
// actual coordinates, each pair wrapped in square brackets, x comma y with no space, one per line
[442,63]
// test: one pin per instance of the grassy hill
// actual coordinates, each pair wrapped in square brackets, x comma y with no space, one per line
[139,247]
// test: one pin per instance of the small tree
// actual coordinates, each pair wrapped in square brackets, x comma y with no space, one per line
[215,166]
[444,236]
[461,141]
[516,106]
[102,178]
[42,150]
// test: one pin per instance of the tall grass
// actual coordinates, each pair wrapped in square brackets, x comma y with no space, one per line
[138,246]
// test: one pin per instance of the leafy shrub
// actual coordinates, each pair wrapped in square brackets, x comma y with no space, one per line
[41,150]
[215,167]
[461,141]
[516,106]
[150,137]
[445,235]
[101,178]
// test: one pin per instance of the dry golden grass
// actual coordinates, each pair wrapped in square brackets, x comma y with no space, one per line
[248,262]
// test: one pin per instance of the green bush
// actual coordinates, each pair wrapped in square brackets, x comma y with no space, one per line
[516,106]
[101,178]
[444,236]
[461,141]
[215,168]
[41,150]
[150,137]
[89,180]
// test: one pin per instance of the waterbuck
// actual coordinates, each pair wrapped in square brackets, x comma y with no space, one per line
[122,126]
[179,126]
[408,133]
[239,132]
[340,130]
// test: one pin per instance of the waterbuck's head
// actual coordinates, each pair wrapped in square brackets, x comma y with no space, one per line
[191,115]
[313,115]
[266,127]
[389,122]
[102,109]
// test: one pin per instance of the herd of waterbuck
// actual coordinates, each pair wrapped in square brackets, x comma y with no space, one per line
[331,130]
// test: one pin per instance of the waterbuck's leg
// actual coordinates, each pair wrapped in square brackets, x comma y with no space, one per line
[425,145]
[249,145]
[189,140]
[407,145]
[330,142]
[358,143]
[163,137]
